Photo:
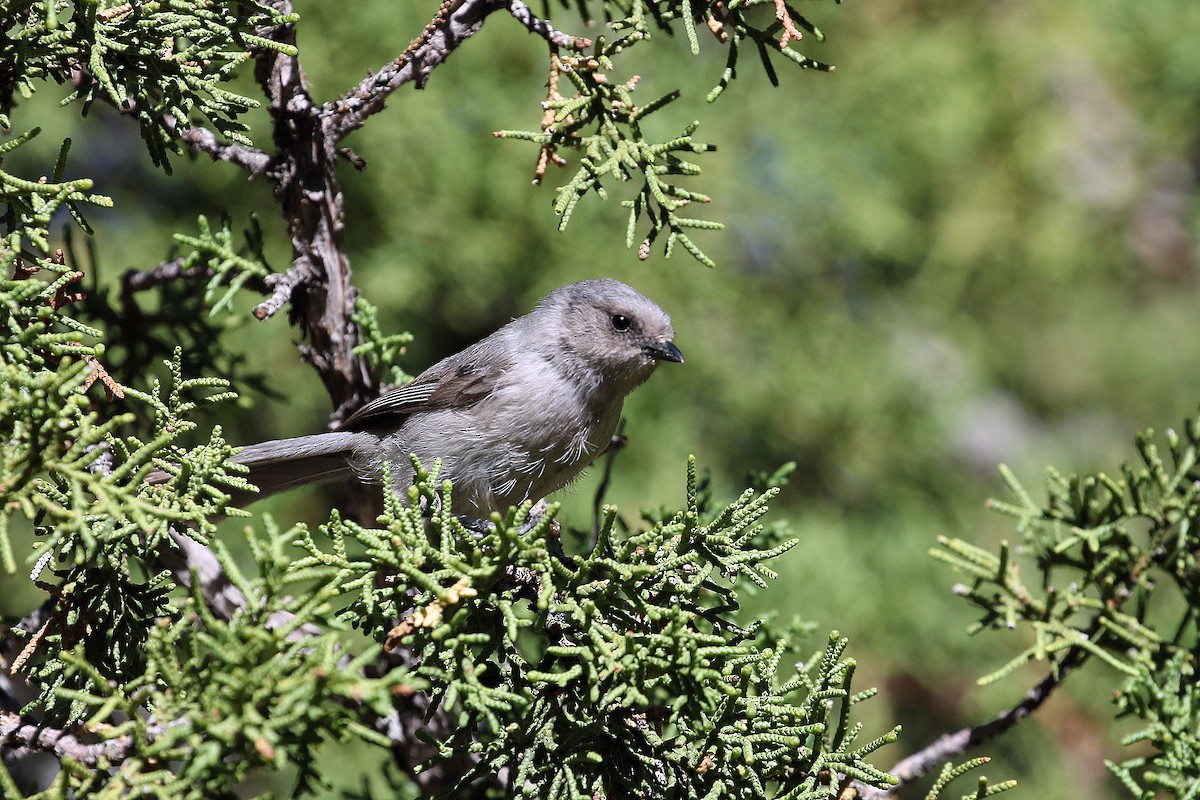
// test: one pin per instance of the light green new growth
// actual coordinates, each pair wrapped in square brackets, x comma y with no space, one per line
[951,772]
[215,698]
[31,204]
[383,351]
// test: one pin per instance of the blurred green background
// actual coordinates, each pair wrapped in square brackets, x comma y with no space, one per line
[972,244]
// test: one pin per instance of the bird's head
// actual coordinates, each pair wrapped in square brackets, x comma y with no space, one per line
[610,330]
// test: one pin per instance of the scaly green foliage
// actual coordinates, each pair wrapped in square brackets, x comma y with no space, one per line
[31,204]
[101,529]
[162,61]
[216,698]
[383,351]
[229,265]
[1167,696]
[602,122]
[1103,549]
[617,149]
[70,467]
[617,673]
[951,772]
[144,324]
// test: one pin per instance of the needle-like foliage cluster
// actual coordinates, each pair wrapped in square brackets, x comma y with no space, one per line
[228,263]
[383,351]
[602,121]
[216,698]
[617,673]
[161,61]
[983,787]
[1116,578]
[30,205]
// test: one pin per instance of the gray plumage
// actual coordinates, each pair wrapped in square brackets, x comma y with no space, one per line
[512,418]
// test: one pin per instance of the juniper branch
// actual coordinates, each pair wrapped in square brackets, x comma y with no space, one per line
[194,564]
[135,280]
[197,137]
[454,23]
[951,745]
[522,13]
[164,119]
[618,443]
[19,739]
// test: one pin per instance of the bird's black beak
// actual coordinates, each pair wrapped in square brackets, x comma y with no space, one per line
[667,351]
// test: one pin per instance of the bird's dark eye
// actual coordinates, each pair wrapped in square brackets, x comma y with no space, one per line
[620,322]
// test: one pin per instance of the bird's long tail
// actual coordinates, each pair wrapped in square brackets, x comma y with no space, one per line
[286,463]
[283,464]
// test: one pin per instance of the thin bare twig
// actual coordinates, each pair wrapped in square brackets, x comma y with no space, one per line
[195,564]
[199,138]
[134,280]
[790,31]
[547,154]
[251,159]
[282,287]
[619,440]
[522,14]
[455,22]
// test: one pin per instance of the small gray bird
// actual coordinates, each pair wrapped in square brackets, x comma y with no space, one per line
[512,418]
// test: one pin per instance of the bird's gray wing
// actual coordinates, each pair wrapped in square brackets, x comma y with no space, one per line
[454,383]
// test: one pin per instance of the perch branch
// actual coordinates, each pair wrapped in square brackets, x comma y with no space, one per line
[195,564]
[615,446]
